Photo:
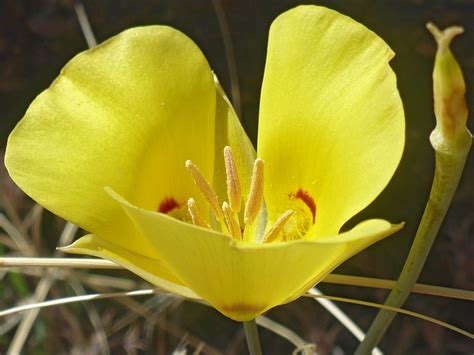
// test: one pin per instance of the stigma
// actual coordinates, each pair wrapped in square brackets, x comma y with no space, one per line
[231,220]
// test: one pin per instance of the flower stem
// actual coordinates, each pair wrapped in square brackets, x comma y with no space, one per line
[449,167]
[251,333]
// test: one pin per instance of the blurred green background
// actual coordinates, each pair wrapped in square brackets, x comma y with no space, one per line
[38,37]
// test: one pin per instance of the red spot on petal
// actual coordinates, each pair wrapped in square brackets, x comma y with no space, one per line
[307,199]
[168,204]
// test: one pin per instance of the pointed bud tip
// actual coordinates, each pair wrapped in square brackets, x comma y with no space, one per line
[444,38]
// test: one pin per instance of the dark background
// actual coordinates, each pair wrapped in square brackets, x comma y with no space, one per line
[38,37]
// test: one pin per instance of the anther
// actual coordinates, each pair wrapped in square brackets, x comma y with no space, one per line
[255,197]
[233,184]
[206,189]
[195,215]
[232,224]
[272,234]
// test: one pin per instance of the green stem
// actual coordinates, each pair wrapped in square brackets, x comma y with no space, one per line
[449,167]
[251,333]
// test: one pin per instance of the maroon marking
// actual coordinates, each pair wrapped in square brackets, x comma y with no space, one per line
[168,204]
[307,199]
[241,311]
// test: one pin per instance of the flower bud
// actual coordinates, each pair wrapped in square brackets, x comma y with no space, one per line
[449,93]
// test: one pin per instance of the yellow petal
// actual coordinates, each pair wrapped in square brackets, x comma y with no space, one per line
[229,132]
[357,239]
[331,119]
[149,269]
[243,280]
[126,114]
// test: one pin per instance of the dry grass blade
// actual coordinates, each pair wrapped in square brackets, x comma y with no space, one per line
[6,241]
[31,217]
[17,236]
[149,310]
[85,24]
[99,296]
[74,299]
[89,263]
[389,284]
[10,323]
[197,343]
[90,280]
[393,309]
[332,308]
[81,263]
[229,54]
[94,318]
[300,344]
[29,319]
[11,212]
[40,294]
[99,281]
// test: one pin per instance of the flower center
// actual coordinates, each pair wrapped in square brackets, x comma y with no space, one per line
[227,214]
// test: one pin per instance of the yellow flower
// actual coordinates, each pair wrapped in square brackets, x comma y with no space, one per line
[128,114]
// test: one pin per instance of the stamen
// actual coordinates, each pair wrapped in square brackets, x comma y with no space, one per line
[233,184]
[195,215]
[254,200]
[232,224]
[277,227]
[206,189]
